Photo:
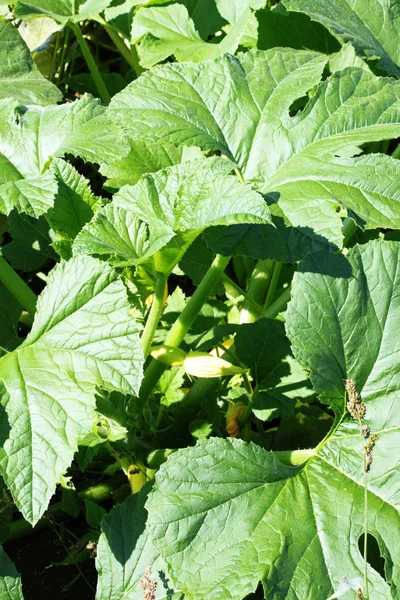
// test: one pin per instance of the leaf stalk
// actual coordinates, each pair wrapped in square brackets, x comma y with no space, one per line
[101,86]
[182,325]
[157,308]
[17,287]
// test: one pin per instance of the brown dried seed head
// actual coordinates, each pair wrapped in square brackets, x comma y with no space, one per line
[371,443]
[366,431]
[352,393]
[368,462]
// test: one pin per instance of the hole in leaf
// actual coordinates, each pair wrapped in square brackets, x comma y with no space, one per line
[298,105]
[374,557]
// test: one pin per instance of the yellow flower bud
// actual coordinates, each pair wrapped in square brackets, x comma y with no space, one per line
[137,477]
[202,364]
[218,350]
[234,412]
[168,355]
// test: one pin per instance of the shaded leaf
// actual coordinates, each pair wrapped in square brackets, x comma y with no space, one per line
[10,311]
[30,247]
[372,27]
[281,28]
[348,331]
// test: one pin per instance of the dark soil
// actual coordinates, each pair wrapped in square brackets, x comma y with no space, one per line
[33,556]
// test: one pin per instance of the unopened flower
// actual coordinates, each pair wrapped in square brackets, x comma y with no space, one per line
[233,415]
[202,364]
[168,355]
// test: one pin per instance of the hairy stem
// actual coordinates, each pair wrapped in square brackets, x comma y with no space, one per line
[135,60]
[119,44]
[278,306]
[273,283]
[182,325]
[257,289]
[156,311]
[234,290]
[17,287]
[98,80]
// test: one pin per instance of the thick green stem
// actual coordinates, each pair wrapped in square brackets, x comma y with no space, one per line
[182,325]
[294,457]
[17,287]
[278,306]
[63,55]
[156,311]
[273,283]
[135,60]
[234,290]
[120,44]
[98,493]
[257,289]
[98,80]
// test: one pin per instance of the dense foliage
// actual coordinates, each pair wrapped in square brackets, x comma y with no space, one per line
[199,290]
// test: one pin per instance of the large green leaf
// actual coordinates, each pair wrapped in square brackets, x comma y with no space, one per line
[305,162]
[125,551]
[169,30]
[61,11]
[350,330]
[19,76]
[372,26]
[82,337]
[167,211]
[227,514]
[30,137]
[10,580]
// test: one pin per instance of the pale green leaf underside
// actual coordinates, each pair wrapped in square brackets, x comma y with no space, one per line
[173,205]
[19,76]
[125,551]
[295,158]
[82,337]
[372,27]
[61,11]
[226,514]
[29,138]
[10,580]
[170,31]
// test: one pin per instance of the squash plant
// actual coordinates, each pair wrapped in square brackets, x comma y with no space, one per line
[200,294]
